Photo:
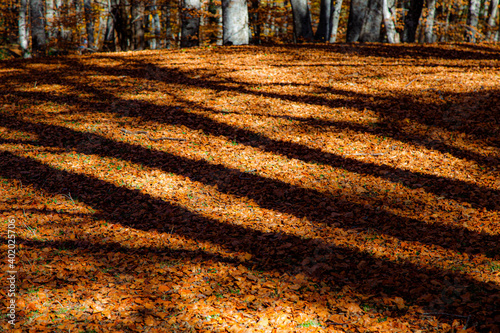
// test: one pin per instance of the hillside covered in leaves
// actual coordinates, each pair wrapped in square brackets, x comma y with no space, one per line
[342,188]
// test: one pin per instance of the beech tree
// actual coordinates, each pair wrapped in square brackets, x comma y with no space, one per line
[388,11]
[235,28]
[302,26]
[324,29]
[190,21]
[493,15]
[411,21]
[365,19]
[89,22]
[38,39]
[429,22]
[335,20]
[472,20]
[23,28]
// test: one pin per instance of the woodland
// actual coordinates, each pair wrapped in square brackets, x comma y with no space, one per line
[197,179]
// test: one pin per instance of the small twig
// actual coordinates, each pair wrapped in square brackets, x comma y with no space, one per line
[411,82]
[69,197]
[27,227]
[332,323]
[443,314]
[365,154]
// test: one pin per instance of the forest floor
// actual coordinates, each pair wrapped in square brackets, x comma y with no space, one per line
[343,188]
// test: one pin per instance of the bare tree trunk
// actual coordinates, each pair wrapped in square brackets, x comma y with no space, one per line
[167,13]
[324,29]
[89,22]
[302,26]
[335,20]
[49,16]
[109,34]
[492,19]
[23,29]
[429,23]
[235,29]
[101,31]
[122,25]
[255,22]
[38,39]
[390,28]
[357,13]
[155,27]
[444,36]
[411,21]
[472,20]
[138,24]
[190,16]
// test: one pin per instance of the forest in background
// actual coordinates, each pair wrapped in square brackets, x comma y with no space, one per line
[54,27]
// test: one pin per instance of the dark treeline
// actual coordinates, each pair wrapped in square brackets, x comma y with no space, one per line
[48,27]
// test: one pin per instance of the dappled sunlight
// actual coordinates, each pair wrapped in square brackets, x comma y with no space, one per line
[254,188]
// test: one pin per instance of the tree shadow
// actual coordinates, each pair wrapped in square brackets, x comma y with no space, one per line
[333,264]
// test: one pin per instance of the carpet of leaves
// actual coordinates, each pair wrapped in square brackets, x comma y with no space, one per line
[344,188]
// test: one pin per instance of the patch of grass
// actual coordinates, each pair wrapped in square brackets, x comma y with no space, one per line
[310,323]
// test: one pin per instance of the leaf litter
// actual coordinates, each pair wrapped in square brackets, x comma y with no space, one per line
[342,188]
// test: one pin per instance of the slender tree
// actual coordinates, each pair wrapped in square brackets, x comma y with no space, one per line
[429,23]
[493,15]
[411,21]
[155,26]
[335,20]
[472,20]
[388,10]
[50,15]
[324,29]
[190,21]
[302,26]
[235,29]
[89,22]
[256,21]
[357,14]
[38,39]
[23,28]
[138,24]
[370,31]
[365,19]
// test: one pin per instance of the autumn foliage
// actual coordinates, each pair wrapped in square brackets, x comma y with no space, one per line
[344,188]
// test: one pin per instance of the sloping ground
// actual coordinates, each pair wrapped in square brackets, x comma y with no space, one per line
[345,188]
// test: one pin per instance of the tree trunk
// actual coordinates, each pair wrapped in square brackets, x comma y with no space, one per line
[256,23]
[302,26]
[492,19]
[429,23]
[155,27]
[49,16]
[390,28]
[167,13]
[138,24]
[472,20]
[109,34]
[370,31]
[190,17]
[38,40]
[411,21]
[357,14]
[89,22]
[335,20]
[122,25]
[23,30]
[235,29]
[365,19]
[324,29]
